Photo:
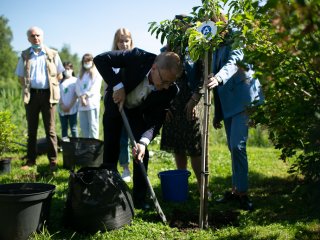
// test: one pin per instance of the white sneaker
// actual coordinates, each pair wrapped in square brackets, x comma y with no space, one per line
[126,175]
[66,139]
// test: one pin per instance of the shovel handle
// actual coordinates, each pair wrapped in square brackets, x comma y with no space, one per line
[143,169]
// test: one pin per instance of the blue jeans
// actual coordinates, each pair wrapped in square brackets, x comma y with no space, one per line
[69,120]
[124,157]
[89,123]
[237,134]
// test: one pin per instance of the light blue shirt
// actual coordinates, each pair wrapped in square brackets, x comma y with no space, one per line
[38,69]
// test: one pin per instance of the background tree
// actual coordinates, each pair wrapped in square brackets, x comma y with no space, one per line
[8,58]
[67,56]
[282,41]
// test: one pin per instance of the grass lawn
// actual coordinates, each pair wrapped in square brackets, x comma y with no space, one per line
[285,206]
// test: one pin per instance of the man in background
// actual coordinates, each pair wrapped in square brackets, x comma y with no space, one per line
[39,70]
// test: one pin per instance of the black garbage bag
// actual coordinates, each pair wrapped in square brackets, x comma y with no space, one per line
[98,199]
[85,152]
[42,145]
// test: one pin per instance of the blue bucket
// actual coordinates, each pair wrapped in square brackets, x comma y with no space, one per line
[174,185]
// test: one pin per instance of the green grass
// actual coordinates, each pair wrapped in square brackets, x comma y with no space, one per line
[285,207]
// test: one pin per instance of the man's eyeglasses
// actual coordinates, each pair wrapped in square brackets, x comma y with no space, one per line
[35,35]
[163,81]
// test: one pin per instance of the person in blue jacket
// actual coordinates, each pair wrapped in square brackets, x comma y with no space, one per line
[235,90]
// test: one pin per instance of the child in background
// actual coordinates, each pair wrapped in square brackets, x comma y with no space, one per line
[88,87]
[68,104]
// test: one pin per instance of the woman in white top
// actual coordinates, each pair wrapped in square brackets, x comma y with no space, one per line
[88,90]
[68,104]
[123,41]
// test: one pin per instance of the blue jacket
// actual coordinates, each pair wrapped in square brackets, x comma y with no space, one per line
[238,89]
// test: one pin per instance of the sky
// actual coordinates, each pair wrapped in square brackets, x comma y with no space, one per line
[88,26]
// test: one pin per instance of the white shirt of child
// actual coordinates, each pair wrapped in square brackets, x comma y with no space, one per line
[67,93]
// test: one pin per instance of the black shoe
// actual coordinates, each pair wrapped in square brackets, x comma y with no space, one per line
[53,166]
[245,203]
[28,165]
[227,197]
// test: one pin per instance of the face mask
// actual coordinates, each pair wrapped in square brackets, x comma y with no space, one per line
[36,46]
[68,73]
[87,65]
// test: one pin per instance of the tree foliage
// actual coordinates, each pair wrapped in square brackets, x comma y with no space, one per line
[7,129]
[66,56]
[281,40]
[186,35]
[8,58]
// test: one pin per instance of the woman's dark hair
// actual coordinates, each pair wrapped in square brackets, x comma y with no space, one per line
[70,65]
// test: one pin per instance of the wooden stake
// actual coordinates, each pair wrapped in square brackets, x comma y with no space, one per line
[203,216]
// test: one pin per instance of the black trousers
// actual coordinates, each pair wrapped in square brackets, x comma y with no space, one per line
[112,126]
[39,102]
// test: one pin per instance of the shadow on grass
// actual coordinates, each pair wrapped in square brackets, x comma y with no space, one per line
[277,200]
[185,215]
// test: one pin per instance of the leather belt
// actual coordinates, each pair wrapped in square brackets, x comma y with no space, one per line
[36,90]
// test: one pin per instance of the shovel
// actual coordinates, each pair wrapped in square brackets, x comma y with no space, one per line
[143,170]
